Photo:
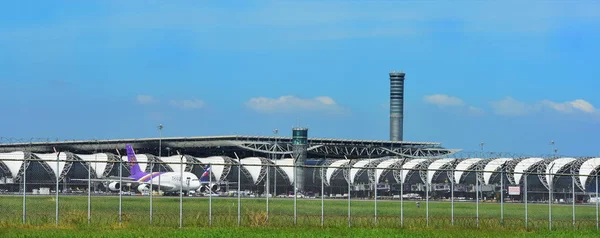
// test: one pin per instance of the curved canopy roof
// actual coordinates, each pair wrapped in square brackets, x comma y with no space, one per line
[462,166]
[332,168]
[14,161]
[217,164]
[555,166]
[50,159]
[433,167]
[287,168]
[384,165]
[587,168]
[523,166]
[253,165]
[174,162]
[97,166]
[358,166]
[493,165]
[411,164]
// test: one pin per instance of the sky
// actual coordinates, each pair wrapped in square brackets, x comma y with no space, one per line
[512,74]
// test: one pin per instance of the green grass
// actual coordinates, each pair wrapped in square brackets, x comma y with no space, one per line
[73,217]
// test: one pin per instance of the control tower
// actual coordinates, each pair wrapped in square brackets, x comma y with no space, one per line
[299,146]
[396,105]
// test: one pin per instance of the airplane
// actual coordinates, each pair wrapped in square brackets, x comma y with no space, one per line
[170,181]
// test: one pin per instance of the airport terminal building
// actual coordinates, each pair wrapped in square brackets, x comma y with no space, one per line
[361,166]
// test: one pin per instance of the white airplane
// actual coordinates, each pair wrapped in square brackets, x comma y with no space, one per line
[171,182]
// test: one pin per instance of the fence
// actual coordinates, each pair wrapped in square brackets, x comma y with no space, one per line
[332,196]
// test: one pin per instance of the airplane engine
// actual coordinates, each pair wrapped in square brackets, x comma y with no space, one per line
[114,186]
[214,187]
[143,188]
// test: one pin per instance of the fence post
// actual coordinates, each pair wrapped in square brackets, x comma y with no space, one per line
[526,211]
[349,196]
[574,197]
[151,189]
[376,222]
[401,197]
[268,191]
[210,195]
[502,195]
[550,201]
[121,193]
[57,178]
[452,195]
[597,198]
[180,191]
[295,191]
[322,198]
[477,198]
[427,198]
[239,205]
[89,198]
[25,191]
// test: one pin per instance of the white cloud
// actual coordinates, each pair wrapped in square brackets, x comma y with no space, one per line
[188,103]
[511,107]
[570,106]
[444,100]
[292,103]
[456,104]
[145,99]
[475,110]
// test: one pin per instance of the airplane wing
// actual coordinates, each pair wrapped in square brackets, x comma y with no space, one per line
[128,180]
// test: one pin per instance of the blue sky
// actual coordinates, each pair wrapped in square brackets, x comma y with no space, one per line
[514,75]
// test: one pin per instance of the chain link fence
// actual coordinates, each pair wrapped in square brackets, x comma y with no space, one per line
[66,189]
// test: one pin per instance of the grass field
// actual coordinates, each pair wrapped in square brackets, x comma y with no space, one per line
[73,217]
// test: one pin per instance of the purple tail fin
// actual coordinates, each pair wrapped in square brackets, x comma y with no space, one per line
[133,163]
